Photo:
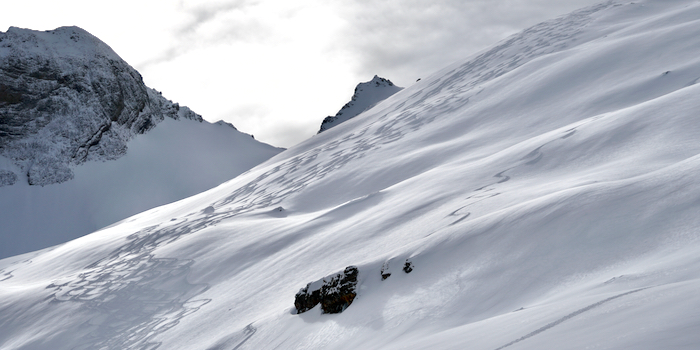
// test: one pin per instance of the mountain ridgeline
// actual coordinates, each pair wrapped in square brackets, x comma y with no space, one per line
[67,98]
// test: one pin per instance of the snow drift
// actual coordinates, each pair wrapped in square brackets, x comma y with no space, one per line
[544,192]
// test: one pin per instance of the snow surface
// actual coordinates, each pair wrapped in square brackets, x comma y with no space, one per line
[174,160]
[545,191]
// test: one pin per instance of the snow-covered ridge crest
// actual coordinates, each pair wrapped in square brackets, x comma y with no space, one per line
[64,42]
[65,98]
[366,95]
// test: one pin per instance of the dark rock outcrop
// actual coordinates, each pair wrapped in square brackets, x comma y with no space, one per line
[385,271]
[335,293]
[408,266]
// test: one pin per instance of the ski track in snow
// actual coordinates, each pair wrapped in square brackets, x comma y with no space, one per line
[463,85]
[239,339]
[5,275]
[556,31]
[286,176]
[549,37]
[532,158]
[107,288]
[570,316]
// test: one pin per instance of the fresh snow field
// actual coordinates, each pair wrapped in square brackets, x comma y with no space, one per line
[546,192]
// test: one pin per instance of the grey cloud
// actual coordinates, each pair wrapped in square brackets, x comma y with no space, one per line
[187,39]
[162,57]
[207,12]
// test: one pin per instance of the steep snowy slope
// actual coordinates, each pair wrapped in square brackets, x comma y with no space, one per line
[175,160]
[366,95]
[544,192]
[70,110]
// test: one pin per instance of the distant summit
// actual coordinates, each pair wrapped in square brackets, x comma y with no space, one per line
[365,97]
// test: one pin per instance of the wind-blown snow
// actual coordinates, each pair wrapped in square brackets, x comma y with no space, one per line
[545,191]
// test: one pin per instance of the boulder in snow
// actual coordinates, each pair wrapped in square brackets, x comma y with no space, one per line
[335,293]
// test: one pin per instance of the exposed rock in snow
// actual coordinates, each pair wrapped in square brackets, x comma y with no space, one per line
[67,98]
[221,122]
[335,293]
[385,271]
[408,266]
[365,97]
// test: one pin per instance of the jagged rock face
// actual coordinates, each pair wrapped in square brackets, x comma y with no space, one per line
[67,98]
[307,299]
[335,293]
[366,95]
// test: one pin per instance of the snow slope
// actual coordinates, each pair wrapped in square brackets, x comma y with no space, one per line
[175,160]
[545,191]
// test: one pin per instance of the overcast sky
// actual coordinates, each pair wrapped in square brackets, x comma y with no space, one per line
[276,68]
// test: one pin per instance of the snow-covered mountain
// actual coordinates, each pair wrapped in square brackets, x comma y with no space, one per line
[542,194]
[70,110]
[366,95]
[65,98]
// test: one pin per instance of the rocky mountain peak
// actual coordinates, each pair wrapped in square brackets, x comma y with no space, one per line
[65,98]
[377,81]
[366,95]
[60,42]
